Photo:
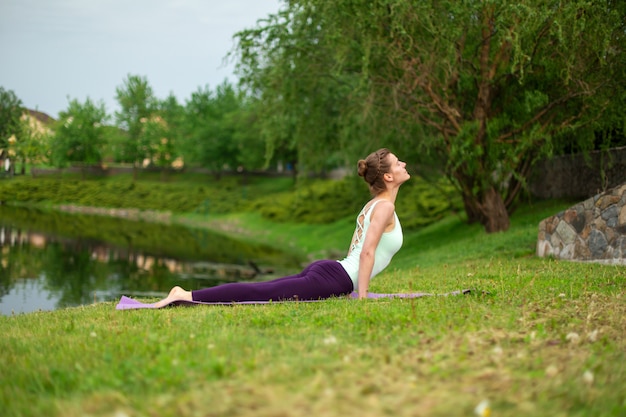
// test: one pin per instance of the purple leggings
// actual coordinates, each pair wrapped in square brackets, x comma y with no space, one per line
[321,279]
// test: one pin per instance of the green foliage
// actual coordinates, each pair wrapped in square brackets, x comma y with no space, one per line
[251,148]
[11,110]
[210,128]
[288,65]
[159,148]
[171,125]
[221,130]
[315,202]
[491,86]
[79,134]
[33,142]
[138,104]
[312,201]
[125,193]
[419,203]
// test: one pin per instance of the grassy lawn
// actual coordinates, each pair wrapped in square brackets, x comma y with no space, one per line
[536,337]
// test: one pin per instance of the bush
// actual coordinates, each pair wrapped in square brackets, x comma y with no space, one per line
[324,201]
[312,201]
[177,197]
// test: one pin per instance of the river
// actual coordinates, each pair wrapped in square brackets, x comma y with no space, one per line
[51,260]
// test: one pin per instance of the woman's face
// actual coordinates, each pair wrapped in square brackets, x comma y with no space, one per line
[398,169]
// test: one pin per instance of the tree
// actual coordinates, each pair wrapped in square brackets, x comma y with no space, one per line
[247,135]
[159,148]
[161,133]
[304,99]
[11,110]
[210,138]
[33,139]
[138,104]
[79,135]
[483,88]
[173,113]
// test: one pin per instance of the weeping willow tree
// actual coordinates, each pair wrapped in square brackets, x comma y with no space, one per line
[481,88]
[302,95]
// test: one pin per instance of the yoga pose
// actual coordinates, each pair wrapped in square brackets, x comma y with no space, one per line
[378,236]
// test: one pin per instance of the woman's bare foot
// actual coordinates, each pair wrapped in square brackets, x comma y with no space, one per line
[176,294]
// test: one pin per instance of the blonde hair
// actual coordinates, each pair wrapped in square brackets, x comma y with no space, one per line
[373,168]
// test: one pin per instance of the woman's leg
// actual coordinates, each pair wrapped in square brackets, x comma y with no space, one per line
[180,294]
[176,294]
[321,279]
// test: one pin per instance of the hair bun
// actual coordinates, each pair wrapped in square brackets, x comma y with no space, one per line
[362,167]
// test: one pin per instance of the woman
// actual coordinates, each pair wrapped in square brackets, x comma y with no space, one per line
[378,236]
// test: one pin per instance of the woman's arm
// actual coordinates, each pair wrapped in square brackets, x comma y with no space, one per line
[380,219]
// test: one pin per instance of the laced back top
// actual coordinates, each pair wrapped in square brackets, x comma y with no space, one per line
[390,242]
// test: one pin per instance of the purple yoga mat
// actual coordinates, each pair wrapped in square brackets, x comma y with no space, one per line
[127,303]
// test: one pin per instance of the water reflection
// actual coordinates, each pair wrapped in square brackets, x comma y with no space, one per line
[55,260]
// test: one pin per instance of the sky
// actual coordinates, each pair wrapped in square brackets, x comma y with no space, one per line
[53,51]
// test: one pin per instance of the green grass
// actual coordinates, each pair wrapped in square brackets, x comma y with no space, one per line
[537,337]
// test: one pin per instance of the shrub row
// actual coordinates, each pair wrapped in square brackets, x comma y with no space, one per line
[419,203]
[312,201]
[175,197]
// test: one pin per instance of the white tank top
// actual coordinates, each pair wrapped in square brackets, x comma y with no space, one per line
[390,242]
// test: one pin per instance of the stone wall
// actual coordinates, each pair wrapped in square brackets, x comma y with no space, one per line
[578,176]
[594,230]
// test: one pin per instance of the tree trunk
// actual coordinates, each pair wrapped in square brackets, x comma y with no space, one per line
[471,209]
[493,214]
[487,208]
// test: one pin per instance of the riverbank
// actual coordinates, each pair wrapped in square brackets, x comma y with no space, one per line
[536,337]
